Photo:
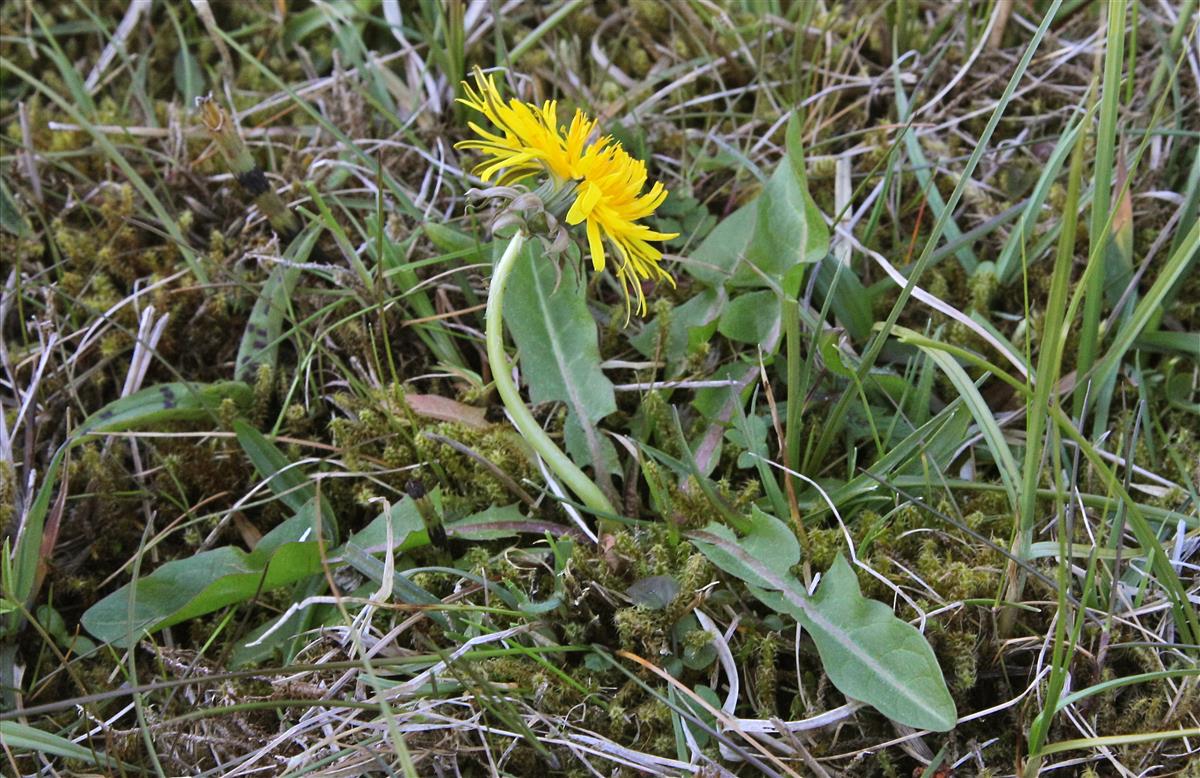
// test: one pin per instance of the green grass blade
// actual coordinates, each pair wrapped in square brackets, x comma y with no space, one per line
[1102,182]
[1049,364]
[21,737]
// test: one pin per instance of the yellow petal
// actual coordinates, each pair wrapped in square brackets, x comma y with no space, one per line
[595,245]
[652,235]
[589,195]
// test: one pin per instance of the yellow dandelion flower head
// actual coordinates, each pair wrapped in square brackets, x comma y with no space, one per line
[608,182]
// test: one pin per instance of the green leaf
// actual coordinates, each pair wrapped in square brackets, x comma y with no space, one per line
[749,434]
[778,232]
[749,431]
[492,523]
[289,483]
[185,588]
[832,355]
[294,489]
[654,592]
[769,542]
[694,657]
[867,652]
[451,240]
[718,256]
[162,404]
[406,524]
[848,298]
[932,445]
[578,445]
[872,656]
[556,334]
[80,94]
[683,213]
[751,317]
[1182,342]
[992,434]
[789,228]
[300,25]
[260,341]
[699,711]
[23,566]
[710,401]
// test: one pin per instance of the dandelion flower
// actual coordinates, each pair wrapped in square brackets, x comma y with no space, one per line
[604,180]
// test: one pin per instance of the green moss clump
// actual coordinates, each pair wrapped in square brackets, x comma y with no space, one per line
[766,680]
[962,648]
[8,494]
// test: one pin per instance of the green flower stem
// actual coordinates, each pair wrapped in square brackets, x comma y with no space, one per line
[575,479]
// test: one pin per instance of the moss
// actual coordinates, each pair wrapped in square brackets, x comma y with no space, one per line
[983,286]
[962,651]
[885,764]
[697,573]
[655,411]
[652,16]
[824,546]
[8,494]
[766,680]
[693,508]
